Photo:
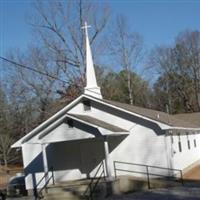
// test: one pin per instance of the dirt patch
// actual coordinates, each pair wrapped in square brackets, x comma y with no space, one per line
[6,173]
[193,174]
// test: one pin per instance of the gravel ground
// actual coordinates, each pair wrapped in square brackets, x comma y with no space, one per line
[20,198]
[191,190]
[175,193]
[188,192]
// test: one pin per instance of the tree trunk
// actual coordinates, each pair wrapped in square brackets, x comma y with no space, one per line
[5,161]
[130,91]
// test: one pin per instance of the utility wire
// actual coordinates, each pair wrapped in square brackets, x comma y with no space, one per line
[32,69]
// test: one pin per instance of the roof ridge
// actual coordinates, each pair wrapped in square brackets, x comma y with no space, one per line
[138,106]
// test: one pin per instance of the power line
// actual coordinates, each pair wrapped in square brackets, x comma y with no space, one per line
[32,69]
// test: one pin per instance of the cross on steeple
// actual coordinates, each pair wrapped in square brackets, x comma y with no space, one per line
[91,88]
[86,26]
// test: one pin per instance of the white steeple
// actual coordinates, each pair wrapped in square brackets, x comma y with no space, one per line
[91,88]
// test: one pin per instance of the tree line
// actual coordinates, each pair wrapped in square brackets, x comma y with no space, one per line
[54,73]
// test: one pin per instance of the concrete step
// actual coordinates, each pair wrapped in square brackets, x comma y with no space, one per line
[61,196]
[72,191]
[61,189]
[126,184]
[63,193]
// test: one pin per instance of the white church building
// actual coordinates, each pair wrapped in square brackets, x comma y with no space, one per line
[90,129]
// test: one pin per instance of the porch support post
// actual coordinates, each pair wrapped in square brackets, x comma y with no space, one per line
[107,163]
[45,163]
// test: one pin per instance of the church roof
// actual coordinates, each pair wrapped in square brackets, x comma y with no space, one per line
[193,118]
[171,120]
[185,120]
[99,123]
[180,121]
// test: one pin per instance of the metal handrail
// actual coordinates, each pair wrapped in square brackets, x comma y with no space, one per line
[95,185]
[147,171]
[36,192]
[173,169]
[90,188]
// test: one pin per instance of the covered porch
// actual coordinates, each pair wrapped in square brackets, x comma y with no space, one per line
[73,147]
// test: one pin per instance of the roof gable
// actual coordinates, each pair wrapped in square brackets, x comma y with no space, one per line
[58,118]
[58,115]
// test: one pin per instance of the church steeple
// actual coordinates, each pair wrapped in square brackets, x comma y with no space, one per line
[91,88]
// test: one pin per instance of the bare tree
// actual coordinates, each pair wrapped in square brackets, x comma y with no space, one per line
[179,70]
[188,48]
[58,51]
[6,130]
[127,48]
[6,153]
[59,29]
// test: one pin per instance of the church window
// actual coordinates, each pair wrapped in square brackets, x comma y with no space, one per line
[188,144]
[195,143]
[179,143]
[179,146]
[188,141]
[86,105]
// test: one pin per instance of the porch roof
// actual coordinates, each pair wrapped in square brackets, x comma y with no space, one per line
[102,127]
[99,123]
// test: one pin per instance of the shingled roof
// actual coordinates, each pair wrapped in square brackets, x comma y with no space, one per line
[193,118]
[189,120]
[172,120]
